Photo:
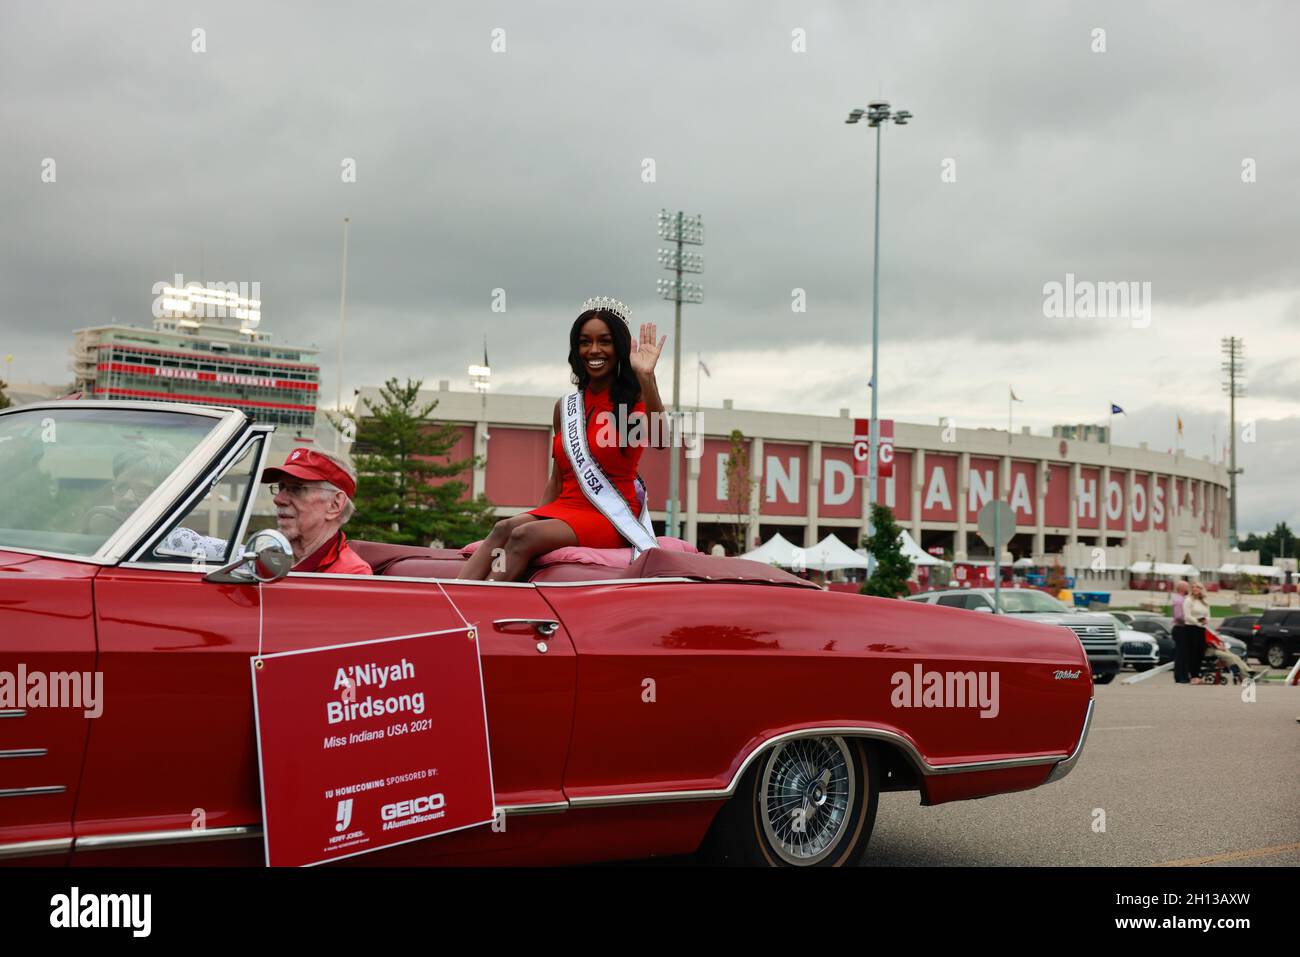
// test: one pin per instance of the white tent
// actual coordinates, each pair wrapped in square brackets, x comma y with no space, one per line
[1165,568]
[775,551]
[830,554]
[1261,571]
[919,556]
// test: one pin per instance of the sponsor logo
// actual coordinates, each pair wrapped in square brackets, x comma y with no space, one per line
[417,810]
[344,815]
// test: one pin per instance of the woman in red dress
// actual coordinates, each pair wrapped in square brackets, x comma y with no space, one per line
[617,380]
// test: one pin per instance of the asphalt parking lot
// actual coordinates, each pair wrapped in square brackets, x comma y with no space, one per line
[1186,775]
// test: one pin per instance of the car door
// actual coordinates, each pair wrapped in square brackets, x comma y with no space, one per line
[175,752]
[180,727]
[47,639]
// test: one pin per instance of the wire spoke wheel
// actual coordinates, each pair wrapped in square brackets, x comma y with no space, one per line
[805,795]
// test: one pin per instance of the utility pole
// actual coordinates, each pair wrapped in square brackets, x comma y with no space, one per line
[680,229]
[1233,366]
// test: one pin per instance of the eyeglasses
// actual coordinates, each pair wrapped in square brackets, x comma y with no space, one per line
[294,490]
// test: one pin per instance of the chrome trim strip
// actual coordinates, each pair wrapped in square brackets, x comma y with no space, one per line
[202,488]
[402,578]
[12,713]
[1065,767]
[879,734]
[24,753]
[65,556]
[54,845]
[524,810]
[621,581]
[30,792]
[100,842]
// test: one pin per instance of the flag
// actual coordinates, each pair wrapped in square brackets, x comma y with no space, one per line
[1014,397]
[1180,424]
[1114,409]
[706,369]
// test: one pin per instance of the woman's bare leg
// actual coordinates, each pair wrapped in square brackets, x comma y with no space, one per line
[526,542]
[480,563]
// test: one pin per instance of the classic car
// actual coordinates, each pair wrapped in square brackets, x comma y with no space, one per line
[775,699]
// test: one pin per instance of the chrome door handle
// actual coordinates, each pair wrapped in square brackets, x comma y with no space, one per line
[543,626]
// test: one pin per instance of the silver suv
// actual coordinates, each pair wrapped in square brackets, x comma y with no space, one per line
[1096,630]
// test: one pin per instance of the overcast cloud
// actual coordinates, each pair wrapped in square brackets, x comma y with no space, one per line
[522,170]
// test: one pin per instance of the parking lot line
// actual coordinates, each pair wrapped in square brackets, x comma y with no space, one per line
[1231,856]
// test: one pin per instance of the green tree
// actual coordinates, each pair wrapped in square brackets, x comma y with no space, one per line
[739,488]
[892,567]
[1279,543]
[4,399]
[407,492]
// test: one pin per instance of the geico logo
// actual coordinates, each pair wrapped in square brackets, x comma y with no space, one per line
[420,805]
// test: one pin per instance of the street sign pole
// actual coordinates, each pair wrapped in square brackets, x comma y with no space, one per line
[996,525]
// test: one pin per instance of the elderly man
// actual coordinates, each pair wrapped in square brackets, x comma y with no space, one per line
[313,501]
[1183,656]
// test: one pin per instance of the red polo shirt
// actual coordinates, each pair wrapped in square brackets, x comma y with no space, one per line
[336,558]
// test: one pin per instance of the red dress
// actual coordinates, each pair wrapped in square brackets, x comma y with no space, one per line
[573,508]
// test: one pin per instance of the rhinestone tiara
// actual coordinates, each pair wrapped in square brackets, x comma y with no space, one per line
[608,304]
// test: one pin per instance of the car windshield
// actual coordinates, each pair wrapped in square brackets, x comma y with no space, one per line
[1026,600]
[72,476]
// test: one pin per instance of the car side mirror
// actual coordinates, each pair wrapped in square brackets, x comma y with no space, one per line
[266,558]
[984,608]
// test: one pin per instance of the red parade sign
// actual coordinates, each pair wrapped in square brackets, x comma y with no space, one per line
[372,744]
[862,446]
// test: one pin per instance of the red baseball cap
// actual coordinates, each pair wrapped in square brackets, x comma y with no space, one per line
[311,466]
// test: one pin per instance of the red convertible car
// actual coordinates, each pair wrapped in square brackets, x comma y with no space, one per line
[779,713]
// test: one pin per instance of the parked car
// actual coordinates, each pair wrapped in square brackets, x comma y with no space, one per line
[1158,627]
[1096,630]
[1141,652]
[1239,626]
[1275,638]
[771,693]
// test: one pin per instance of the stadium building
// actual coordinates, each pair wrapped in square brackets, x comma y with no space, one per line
[1095,508]
[205,347]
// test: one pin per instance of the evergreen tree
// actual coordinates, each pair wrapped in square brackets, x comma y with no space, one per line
[892,568]
[407,492]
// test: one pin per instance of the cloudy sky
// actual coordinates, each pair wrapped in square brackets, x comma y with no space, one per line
[1127,142]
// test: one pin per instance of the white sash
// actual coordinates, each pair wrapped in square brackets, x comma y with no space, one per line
[600,491]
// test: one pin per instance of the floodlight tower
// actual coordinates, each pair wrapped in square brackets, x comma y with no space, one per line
[877,114]
[680,229]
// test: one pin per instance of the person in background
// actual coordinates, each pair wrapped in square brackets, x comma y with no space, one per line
[1196,614]
[1215,648]
[1182,650]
